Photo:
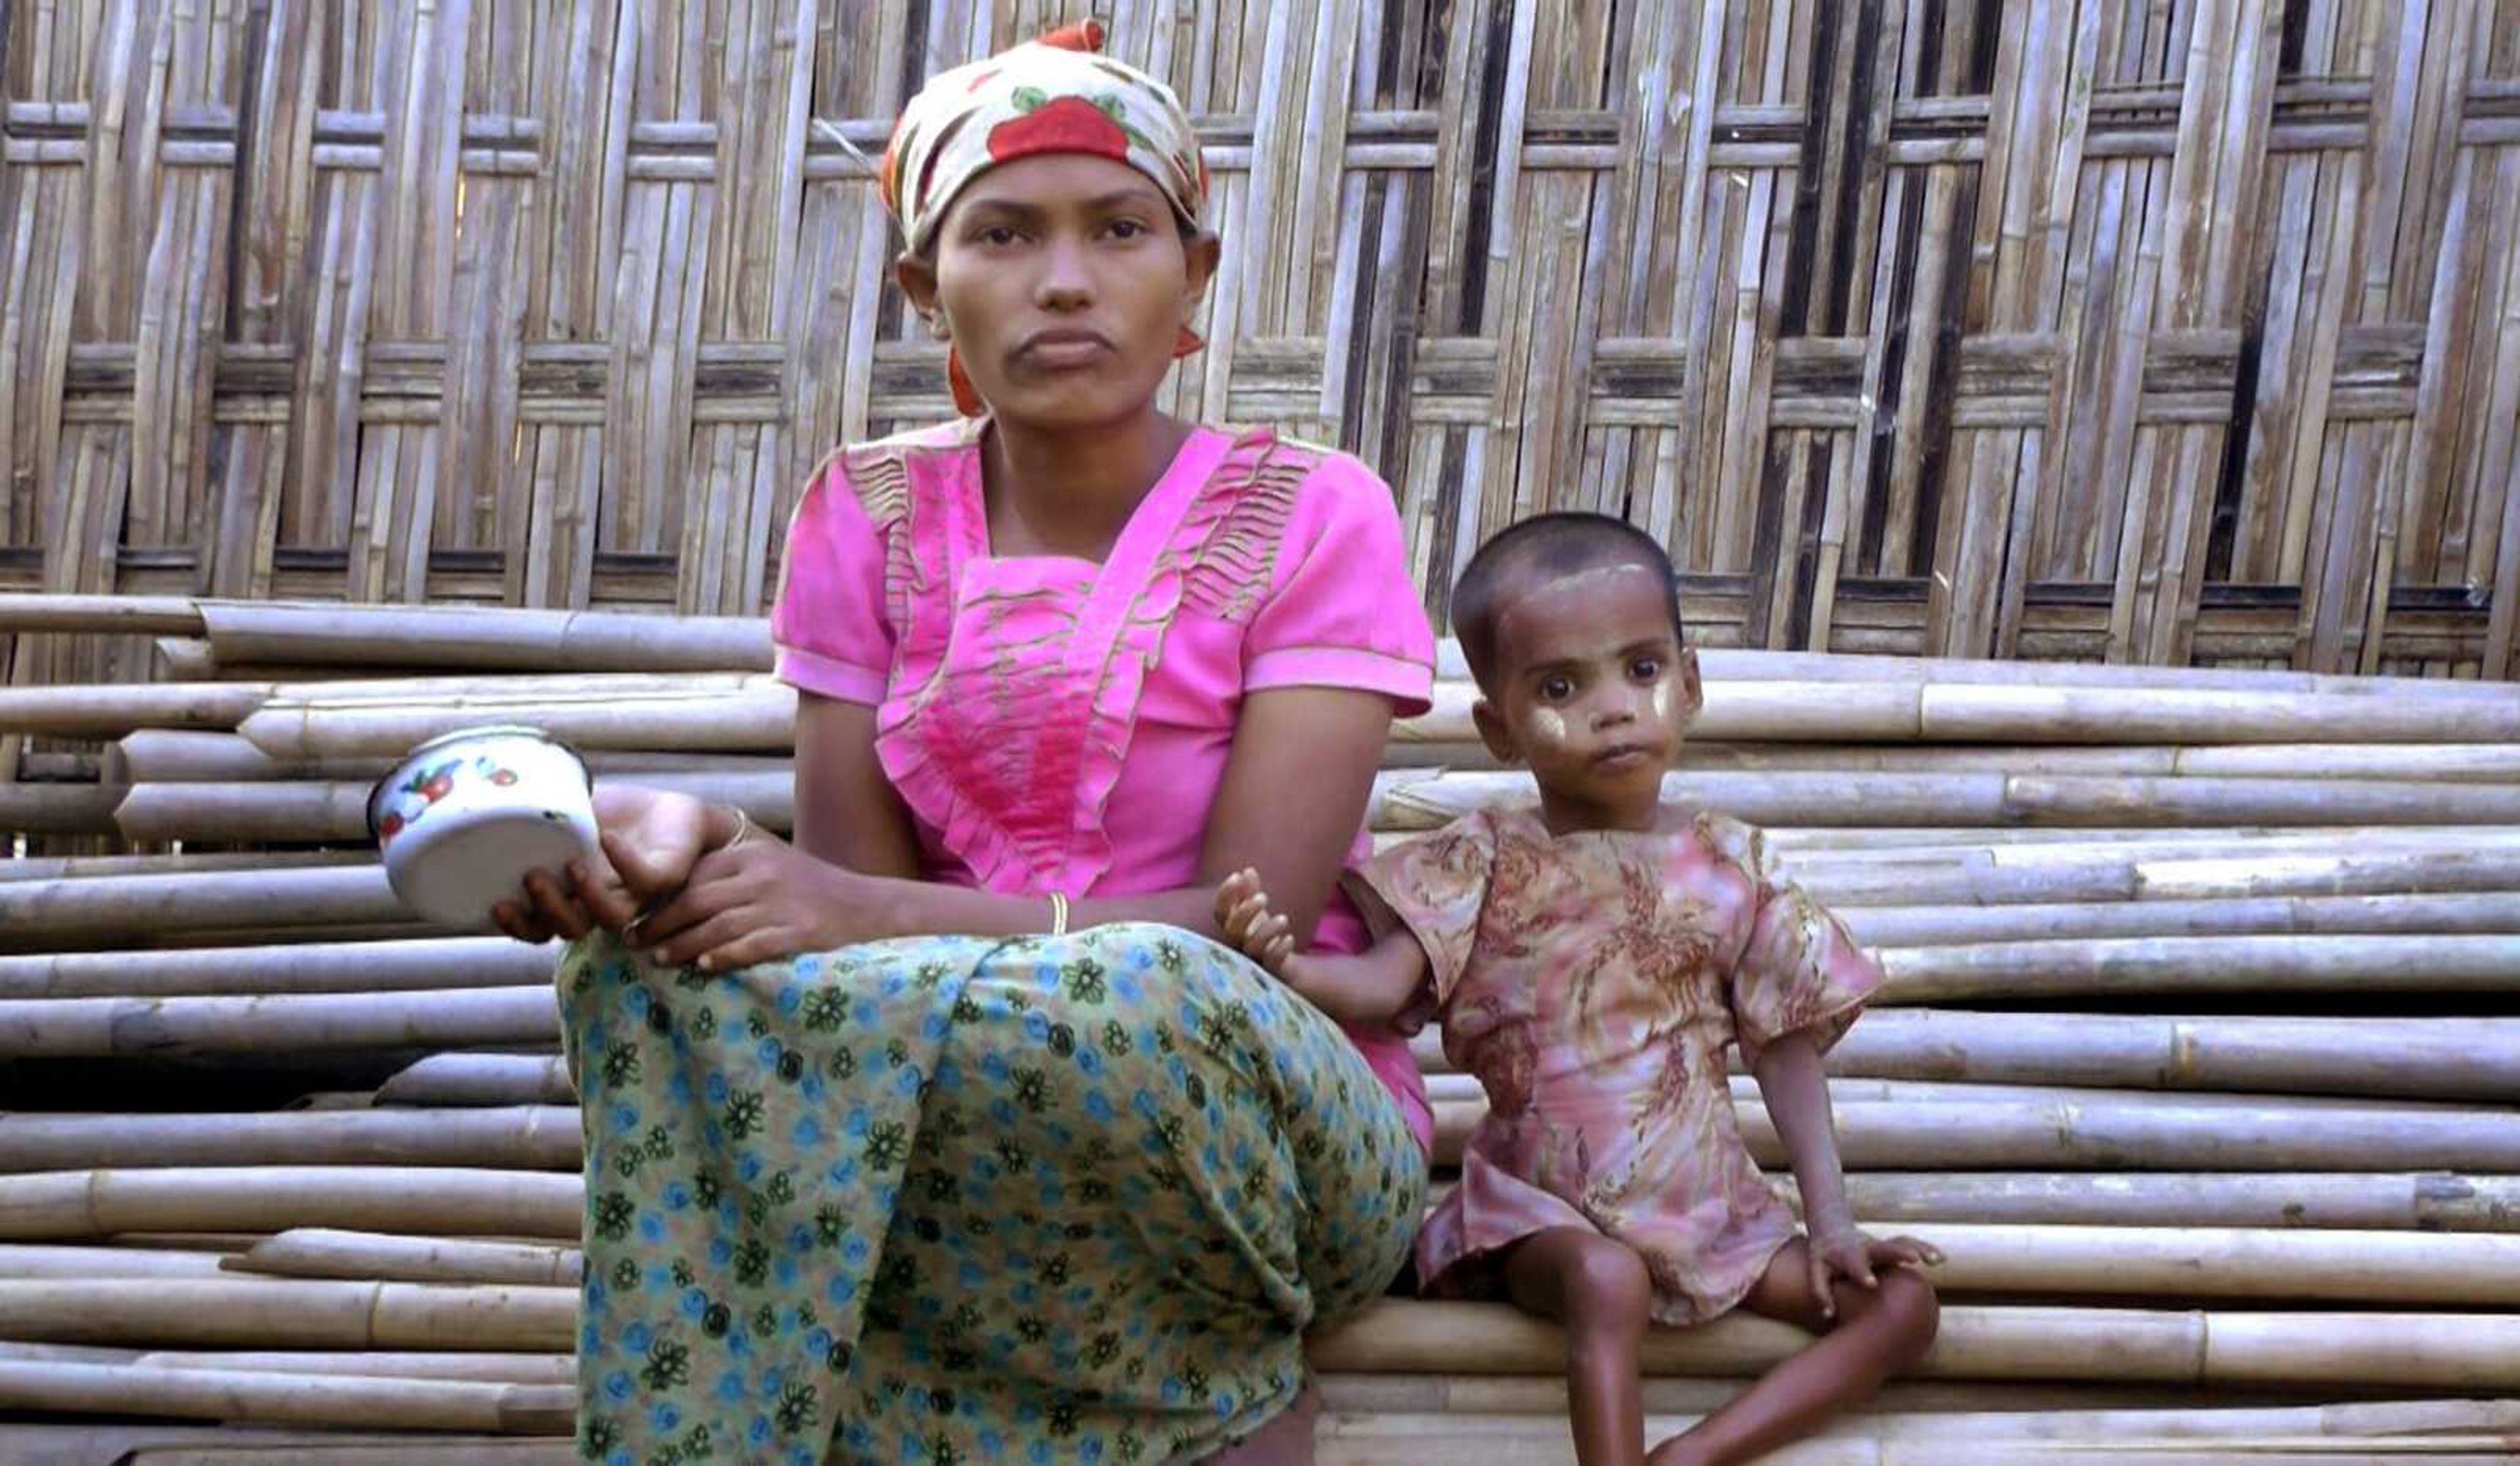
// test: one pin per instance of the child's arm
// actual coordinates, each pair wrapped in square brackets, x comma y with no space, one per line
[1796,1091]
[1373,986]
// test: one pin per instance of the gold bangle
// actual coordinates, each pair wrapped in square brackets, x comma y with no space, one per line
[743,828]
[1057,915]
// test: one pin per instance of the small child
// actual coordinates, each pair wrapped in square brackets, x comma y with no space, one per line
[1590,963]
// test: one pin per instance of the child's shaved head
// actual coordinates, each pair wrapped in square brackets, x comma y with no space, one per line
[1545,547]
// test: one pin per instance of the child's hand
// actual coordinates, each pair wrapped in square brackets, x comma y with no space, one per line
[1848,1252]
[1242,913]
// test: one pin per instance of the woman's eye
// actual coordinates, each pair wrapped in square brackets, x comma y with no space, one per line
[997,235]
[1127,229]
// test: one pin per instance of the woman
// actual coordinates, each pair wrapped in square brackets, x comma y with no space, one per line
[946,1133]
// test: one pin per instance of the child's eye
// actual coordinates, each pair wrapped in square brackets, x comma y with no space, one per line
[1645,668]
[1557,688]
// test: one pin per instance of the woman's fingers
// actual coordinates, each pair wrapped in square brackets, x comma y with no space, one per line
[558,910]
[703,938]
[692,906]
[510,917]
[602,894]
[753,947]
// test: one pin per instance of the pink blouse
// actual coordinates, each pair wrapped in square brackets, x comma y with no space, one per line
[1055,724]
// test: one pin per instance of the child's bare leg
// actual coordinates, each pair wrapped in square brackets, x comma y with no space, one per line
[1597,1288]
[1877,1332]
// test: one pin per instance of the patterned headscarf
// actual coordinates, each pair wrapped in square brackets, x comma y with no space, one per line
[1053,95]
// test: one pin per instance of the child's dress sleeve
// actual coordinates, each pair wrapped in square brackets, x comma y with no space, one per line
[831,624]
[1800,971]
[1434,888]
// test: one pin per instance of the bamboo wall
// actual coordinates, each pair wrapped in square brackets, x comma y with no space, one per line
[2126,329]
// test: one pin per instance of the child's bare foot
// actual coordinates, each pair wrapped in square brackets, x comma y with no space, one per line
[1242,913]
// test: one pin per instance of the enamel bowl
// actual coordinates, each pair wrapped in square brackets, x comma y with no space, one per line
[470,814]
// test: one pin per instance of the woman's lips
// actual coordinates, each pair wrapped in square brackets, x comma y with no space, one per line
[1059,350]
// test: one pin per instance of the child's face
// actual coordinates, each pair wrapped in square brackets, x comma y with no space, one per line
[1593,691]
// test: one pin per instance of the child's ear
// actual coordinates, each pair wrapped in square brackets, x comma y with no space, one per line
[1494,733]
[1693,690]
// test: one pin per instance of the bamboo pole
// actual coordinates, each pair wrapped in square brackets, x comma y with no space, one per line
[466,1451]
[760,716]
[276,1399]
[167,1027]
[2163,1134]
[2053,714]
[2415,1059]
[317,967]
[93,866]
[527,1136]
[113,710]
[1419,800]
[481,1079]
[40,913]
[1391,1439]
[1739,664]
[116,615]
[288,1313]
[2376,1201]
[511,1368]
[290,812]
[2484,911]
[2476,963]
[2411,1351]
[66,809]
[442,635]
[2475,1271]
[177,756]
[445,1201]
[1961,1410]
[323,1252]
[268,1447]
[18,1260]
[2166,878]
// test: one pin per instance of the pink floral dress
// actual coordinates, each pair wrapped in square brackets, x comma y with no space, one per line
[1592,982]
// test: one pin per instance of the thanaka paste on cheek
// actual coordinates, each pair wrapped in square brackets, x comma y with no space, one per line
[1548,728]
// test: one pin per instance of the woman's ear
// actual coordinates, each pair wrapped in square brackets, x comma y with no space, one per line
[1495,733]
[1200,253]
[916,276]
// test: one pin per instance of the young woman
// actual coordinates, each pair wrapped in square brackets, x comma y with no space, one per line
[945,1132]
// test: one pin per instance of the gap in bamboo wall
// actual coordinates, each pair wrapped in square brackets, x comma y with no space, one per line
[2058,328]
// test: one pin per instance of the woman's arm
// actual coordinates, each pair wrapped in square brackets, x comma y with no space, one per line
[847,813]
[1294,791]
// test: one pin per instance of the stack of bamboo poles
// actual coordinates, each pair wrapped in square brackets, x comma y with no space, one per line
[2200,1057]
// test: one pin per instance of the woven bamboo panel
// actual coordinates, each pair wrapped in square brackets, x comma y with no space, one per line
[2082,328]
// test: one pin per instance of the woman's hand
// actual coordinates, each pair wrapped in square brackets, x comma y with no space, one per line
[757,901]
[647,842]
[1843,1250]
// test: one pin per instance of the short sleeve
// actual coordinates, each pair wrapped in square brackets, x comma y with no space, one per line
[830,624]
[1342,612]
[1800,971]
[1434,888]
